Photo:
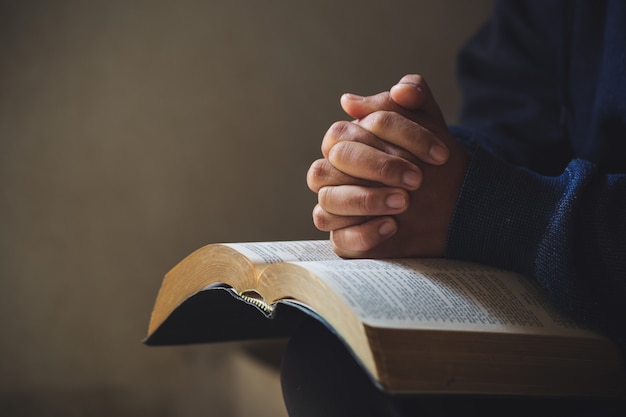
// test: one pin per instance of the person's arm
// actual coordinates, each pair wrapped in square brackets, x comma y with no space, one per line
[514,83]
[528,204]
[568,232]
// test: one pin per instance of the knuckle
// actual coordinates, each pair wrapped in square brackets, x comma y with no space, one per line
[381,119]
[320,218]
[355,202]
[387,169]
[332,200]
[342,152]
[367,202]
[364,242]
[397,151]
[337,132]
[339,128]
[323,197]
[317,175]
[352,241]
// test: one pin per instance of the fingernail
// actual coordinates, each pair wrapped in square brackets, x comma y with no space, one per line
[387,228]
[438,153]
[395,201]
[413,85]
[353,97]
[412,179]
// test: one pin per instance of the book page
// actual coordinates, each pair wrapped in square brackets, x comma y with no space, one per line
[287,251]
[442,294]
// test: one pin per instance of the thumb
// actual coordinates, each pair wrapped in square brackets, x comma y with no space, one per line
[412,93]
[359,107]
[409,96]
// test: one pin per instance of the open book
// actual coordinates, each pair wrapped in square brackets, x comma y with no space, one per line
[415,325]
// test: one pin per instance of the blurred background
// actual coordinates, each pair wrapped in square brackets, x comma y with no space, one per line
[133,132]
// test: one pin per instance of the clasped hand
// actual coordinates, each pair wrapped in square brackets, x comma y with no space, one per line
[389,180]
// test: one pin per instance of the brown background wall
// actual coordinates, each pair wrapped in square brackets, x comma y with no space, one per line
[132,132]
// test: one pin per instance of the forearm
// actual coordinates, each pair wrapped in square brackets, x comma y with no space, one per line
[567,232]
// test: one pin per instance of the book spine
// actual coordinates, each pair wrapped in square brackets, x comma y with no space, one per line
[262,305]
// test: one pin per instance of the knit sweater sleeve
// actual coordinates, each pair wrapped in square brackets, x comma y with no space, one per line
[528,203]
[568,232]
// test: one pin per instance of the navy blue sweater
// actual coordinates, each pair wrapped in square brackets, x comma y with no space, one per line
[544,114]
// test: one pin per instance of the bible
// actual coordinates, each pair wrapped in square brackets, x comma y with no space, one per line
[429,326]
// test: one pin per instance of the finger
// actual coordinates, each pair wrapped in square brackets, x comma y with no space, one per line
[405,133]
[358,106]
[328,222]
[412,92]
[355,200]
[322,173]
[411,97]
[351,131]
[362,161]
[354,241]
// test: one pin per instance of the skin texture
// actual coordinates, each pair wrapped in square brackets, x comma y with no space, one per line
[389,180]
